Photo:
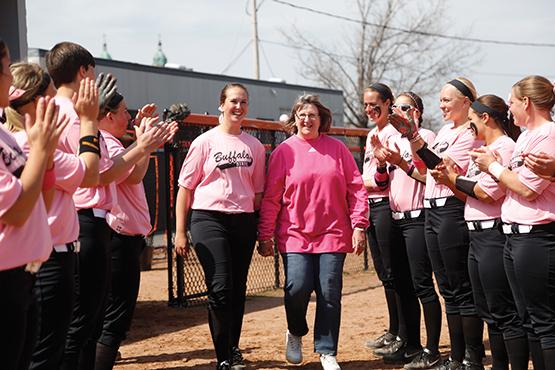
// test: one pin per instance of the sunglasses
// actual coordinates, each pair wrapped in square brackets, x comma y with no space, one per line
[403,107]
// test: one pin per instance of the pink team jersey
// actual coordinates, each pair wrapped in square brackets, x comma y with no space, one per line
[103,197]
[454,143]
[130,216]
[542,209]
[476,209]
[225,171]
[62,217]
[370,162]
[405,193]
[314,197]
[31,241]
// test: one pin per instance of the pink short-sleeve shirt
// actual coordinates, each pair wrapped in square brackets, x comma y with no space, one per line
[225,171]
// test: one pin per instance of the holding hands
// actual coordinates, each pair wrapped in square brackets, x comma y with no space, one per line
[265,247]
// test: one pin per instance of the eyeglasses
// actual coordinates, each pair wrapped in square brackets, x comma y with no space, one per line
[310,117]
[403,107]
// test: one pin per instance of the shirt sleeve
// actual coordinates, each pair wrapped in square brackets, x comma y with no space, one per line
[192,169]
[70,171]
[458,151]
[357,197]
[259,168]
[488,184]
[10,189]
[273,194]
[534,182]
[115,148]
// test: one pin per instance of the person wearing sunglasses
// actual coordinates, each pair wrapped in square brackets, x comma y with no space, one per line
[446,231]
[412,267]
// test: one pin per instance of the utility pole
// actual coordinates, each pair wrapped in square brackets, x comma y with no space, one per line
[255,29]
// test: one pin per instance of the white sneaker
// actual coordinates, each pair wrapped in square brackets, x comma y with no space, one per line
[329,362]
[293,348]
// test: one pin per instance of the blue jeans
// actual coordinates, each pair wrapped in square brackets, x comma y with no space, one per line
[322,273]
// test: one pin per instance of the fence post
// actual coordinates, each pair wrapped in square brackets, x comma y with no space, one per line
[169,243]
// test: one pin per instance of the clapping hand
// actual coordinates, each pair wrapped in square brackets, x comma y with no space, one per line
[404,122]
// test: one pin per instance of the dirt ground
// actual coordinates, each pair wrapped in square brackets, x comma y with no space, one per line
[178,338]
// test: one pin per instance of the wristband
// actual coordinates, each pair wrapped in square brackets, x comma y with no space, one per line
[411,169]
[428,157]
[90,144]
[381,169]
[466,185]
[496,169]
[381,179]
[49,179]
[415,138]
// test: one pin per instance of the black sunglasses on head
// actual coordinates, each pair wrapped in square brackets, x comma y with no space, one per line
[403,107]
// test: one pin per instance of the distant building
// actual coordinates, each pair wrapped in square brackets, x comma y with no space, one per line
[159,59]
[105,54]
[141,84]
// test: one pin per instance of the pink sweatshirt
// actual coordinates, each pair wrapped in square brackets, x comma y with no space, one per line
[62,217]
[130,216]
[104,196]
[542,209]
[31,241]
[225,171]
[405,193]
[370,162]
[476,209]
[454,143]
[314,197]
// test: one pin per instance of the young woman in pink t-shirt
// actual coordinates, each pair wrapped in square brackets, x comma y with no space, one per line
[411,263]
[55,281]
[378,99]
[24,235]
[492,294]
[528,215]
[315,206]
[446,231]
[221,184]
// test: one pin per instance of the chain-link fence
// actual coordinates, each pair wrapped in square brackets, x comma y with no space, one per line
[185,276]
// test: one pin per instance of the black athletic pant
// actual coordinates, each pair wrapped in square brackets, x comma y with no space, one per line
[530,267]
[409,234]
[379,240]
[92,282]
[18,318]
[54,291]
[224,244]
[408,302]
[494,300]
[122,298]
[448,242]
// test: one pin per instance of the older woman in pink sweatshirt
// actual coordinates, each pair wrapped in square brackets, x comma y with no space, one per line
[315,206]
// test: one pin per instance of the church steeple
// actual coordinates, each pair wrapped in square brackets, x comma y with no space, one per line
[105,54]
[159,59]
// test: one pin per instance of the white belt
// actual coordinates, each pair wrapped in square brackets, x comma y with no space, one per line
[435,202]
[100,213]
[480,225]
[406,215]
[376,200]
[517,229]
[69,247]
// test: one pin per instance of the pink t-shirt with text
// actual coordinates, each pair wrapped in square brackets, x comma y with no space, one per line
[542,209]
[454,143]
[405,193]
[370,162]
[225,171]
[104,196]
[62,216]
[130,216]
[31,241]
[476,209]
[314,197]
